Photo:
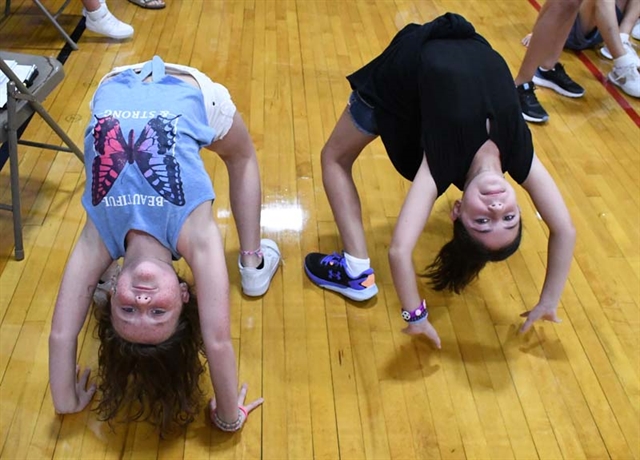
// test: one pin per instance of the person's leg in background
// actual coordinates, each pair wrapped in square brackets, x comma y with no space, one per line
[630,23]
[541,59]
[625,59]
[627,12]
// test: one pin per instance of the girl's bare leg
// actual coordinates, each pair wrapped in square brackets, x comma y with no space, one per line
[338,155]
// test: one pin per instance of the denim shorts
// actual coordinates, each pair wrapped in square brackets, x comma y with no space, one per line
[362,115]
[578,41]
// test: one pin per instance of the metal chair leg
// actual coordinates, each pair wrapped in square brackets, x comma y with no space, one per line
[54,21]
[14,173]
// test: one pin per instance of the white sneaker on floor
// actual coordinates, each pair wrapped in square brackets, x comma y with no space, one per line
[255,282]
[625,75]
[106,23]
[628,47]
[635,32]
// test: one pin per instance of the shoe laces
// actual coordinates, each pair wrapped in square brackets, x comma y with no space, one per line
[334,259]
[560,74]
[529,96]
[626,73]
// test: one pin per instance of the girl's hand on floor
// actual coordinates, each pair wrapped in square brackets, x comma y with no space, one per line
[541,311]
[82,393]
[245,409]
[424,328]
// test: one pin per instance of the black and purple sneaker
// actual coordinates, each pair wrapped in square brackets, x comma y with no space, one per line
[330,272]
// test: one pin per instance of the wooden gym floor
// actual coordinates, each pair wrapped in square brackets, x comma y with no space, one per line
[340,380]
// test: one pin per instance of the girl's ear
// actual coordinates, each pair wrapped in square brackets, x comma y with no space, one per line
[184,294]
[455,210]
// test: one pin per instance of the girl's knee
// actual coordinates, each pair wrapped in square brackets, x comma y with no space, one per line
[330,156]
[337,154]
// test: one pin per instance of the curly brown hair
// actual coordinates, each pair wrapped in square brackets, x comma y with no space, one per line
[460,260]
[159,382]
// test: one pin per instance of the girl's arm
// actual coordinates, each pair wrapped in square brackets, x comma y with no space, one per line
[562,237]
[89,258]
[411,221]
[201,245]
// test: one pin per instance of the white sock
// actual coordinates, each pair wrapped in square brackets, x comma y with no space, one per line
[99,13]
[623,61]
[624,37]
[356,266]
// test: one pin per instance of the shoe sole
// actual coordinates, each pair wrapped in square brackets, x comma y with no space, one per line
[123,37]
[632,52]
[352,294]
[606,54]
[613,82]
[547,84]
[261,290]
[533,119]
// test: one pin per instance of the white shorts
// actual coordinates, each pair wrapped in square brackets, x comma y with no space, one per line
[217,100]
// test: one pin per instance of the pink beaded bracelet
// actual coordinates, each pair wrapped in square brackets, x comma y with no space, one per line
[257,252]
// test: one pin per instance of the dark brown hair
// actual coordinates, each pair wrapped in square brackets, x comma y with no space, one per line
[159,383]
[460,260]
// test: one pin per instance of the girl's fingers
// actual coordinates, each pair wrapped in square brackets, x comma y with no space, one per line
[85,377]
[243,394]
[528,323]
[252,405]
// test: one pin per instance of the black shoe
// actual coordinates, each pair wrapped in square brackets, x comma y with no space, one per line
[558,80]
[330,272]
[531,108]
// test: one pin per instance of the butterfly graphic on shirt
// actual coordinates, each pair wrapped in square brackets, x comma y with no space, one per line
[151,152]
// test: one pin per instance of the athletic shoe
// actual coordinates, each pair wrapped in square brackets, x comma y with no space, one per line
[107,25]
[330,272]
[558,80]
[625,75]
[255,281]
[635,32]
[628,47]
[531,109]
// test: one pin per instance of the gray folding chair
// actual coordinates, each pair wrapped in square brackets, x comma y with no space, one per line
[22,103]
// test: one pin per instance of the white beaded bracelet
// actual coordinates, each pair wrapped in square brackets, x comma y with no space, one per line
[229,427]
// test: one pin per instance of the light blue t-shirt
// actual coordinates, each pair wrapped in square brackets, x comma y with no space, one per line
[142,156]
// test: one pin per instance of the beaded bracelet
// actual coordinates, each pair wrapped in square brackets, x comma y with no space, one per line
[257,252]
[417,315]
[235,426]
